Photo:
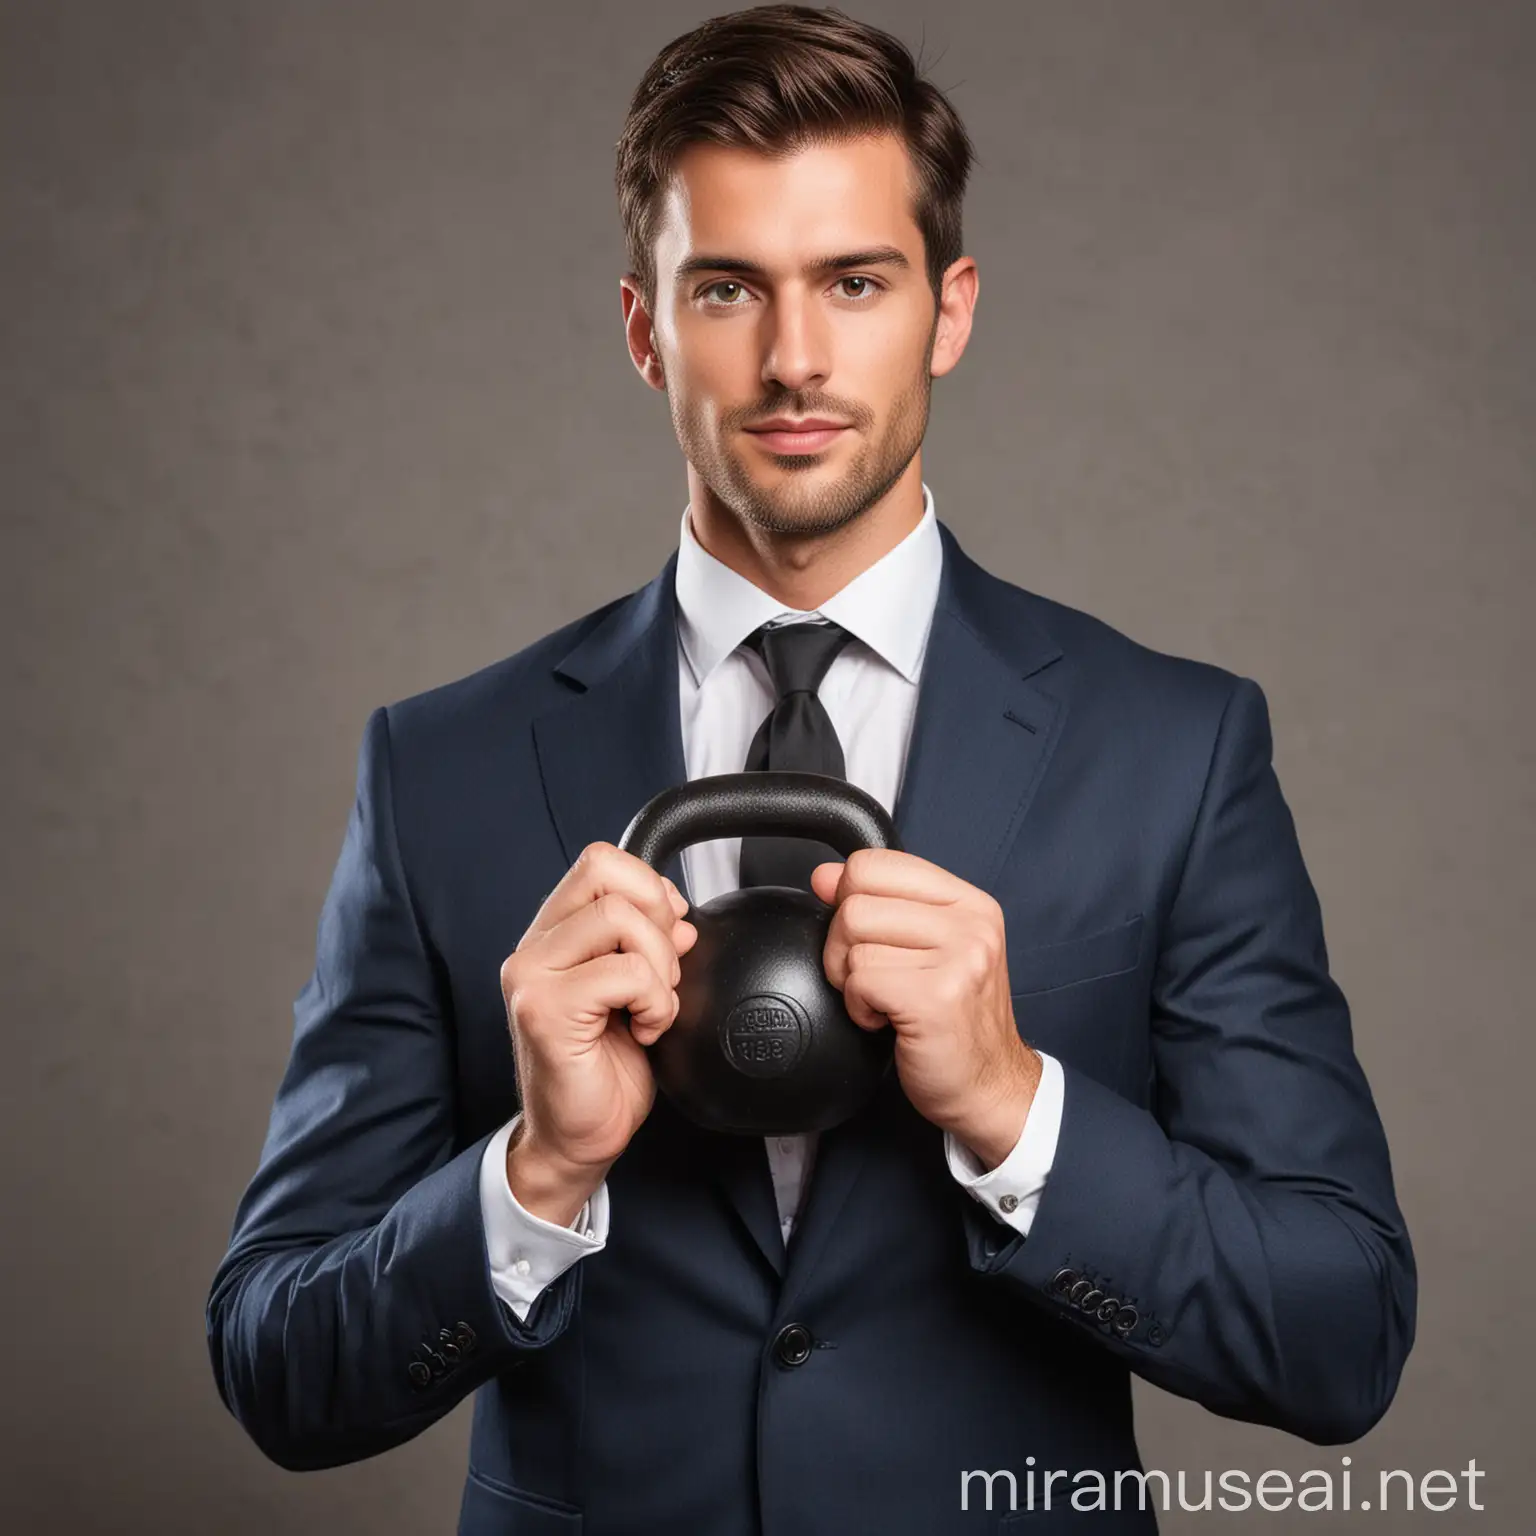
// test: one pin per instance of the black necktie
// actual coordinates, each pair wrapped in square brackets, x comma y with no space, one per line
[797,735]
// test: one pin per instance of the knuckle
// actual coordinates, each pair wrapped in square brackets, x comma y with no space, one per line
[510,970]
[521,1011]
[594,857]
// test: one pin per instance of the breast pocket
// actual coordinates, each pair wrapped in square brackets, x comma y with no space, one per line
[1038,968]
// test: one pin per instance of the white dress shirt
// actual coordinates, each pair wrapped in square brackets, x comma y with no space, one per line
[724,693]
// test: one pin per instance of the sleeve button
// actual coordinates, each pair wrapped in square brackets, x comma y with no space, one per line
[1063,1281]
[421,1376]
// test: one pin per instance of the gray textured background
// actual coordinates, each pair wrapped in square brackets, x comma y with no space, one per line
[313,394]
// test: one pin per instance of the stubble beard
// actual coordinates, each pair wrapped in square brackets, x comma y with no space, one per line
[807,504]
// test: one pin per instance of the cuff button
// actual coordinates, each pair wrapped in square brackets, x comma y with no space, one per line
[1008,1203]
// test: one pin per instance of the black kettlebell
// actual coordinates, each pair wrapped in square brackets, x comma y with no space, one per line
[762,1044]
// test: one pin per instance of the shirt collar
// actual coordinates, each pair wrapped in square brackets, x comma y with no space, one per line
[888,606]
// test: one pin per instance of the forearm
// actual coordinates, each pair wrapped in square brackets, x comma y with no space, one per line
[546,1185]
[1287,1302]
[330,1351]
[528,1252]
[992,1128]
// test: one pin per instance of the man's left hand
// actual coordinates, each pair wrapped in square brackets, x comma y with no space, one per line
[916,947]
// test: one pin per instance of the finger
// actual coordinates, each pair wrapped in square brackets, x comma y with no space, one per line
[613,981]
[612,922]
[684,936]
[869,995]
[863,918]
[865,956]
[825,879]
[895,872]
[602,868]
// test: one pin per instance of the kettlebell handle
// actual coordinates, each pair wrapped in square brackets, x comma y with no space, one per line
[760,803]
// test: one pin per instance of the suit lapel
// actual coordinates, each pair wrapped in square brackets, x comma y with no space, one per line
[602,754]
[981,738]
[618,740]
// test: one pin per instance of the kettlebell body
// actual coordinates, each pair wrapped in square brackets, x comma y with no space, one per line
[762,1043]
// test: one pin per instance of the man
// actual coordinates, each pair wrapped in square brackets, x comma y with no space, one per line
[1125,1131]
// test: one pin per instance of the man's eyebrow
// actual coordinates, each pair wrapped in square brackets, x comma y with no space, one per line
[875,256]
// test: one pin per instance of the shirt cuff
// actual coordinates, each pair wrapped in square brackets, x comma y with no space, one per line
[526,1252]
[1012,1190]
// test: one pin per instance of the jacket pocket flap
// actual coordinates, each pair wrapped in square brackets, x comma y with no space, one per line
[491,1508]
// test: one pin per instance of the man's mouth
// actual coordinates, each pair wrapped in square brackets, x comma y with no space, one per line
[780,440]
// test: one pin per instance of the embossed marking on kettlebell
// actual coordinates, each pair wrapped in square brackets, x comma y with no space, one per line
[765,1034]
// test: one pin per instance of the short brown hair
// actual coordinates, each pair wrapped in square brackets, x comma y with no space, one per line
[775,79]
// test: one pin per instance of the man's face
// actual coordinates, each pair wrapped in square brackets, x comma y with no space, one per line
[757,333]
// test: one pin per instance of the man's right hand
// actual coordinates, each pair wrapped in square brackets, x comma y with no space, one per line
[608,937]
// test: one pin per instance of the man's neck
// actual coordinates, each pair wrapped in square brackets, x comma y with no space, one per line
[803,570]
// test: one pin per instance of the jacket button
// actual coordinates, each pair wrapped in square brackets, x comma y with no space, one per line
[421,1376]
[1063,1281]
[1125,1320]
[793,1345]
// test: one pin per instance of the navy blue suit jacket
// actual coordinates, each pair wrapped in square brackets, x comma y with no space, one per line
[1221,1175]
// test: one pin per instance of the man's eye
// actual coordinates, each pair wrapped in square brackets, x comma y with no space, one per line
[870,287]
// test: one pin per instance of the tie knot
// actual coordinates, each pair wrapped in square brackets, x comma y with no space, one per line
[797,655]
